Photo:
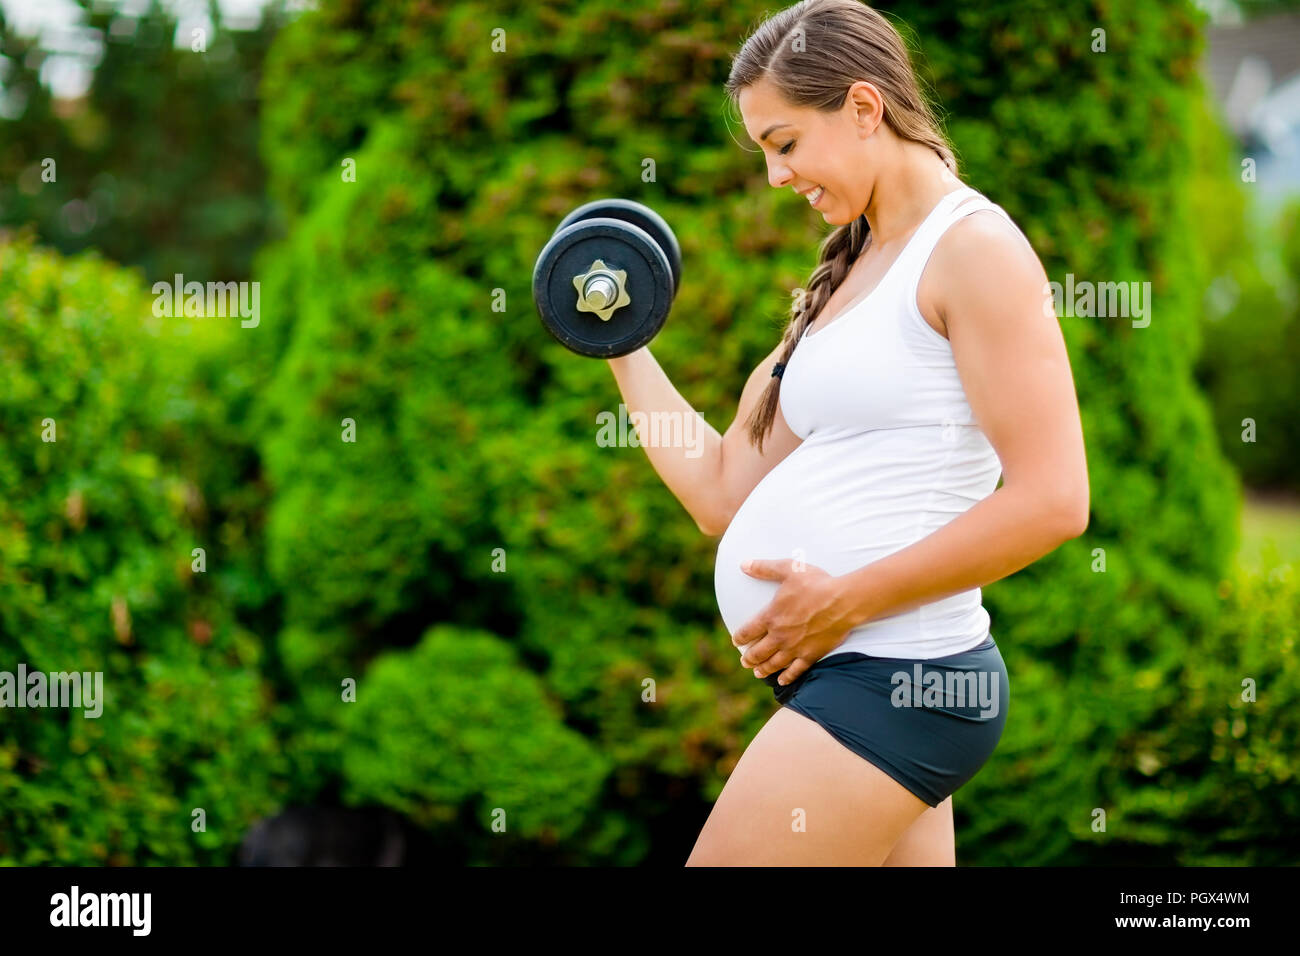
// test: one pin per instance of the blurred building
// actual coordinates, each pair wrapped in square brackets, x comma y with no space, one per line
[1253,70]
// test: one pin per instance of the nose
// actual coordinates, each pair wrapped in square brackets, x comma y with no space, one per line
[778,175]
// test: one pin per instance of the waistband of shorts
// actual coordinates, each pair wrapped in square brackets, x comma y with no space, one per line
[988,644]
[984,656]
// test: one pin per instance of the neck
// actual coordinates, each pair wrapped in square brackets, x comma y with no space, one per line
[906,192]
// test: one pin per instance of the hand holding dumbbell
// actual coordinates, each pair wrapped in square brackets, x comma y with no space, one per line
[605,281]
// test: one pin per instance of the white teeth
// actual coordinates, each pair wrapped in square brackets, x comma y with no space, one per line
[815,195]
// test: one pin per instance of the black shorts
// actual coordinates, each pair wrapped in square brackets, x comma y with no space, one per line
[929,724]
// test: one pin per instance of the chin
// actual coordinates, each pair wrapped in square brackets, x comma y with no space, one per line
[832,216]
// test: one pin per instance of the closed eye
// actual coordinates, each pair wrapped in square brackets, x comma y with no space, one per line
[786,148]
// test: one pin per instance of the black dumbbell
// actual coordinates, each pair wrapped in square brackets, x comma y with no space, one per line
[605,281]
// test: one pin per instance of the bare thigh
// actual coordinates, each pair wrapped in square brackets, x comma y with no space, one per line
[799,797]
[929,841]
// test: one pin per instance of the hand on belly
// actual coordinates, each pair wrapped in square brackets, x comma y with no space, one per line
[807,617]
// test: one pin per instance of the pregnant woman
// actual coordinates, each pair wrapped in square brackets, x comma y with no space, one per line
[860,475]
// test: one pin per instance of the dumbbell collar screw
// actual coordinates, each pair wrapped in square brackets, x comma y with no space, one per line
[602,290]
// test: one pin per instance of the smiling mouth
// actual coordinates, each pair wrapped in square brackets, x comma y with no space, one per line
[815,196]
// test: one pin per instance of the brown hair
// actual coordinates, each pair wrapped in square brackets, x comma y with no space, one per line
[812,53]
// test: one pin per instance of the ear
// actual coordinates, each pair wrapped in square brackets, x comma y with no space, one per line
[866,107]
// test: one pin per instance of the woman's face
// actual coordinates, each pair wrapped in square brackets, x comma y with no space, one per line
[811,151]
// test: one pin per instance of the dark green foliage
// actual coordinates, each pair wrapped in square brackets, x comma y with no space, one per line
[97,530]
[429,742]
[1223,765]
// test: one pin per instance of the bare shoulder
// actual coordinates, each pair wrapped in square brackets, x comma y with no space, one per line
[978,255]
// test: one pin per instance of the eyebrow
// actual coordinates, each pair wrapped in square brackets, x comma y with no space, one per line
[772,127]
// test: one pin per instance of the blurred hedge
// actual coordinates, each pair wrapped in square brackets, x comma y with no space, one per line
[97,530]
[1223,763]
[474,430]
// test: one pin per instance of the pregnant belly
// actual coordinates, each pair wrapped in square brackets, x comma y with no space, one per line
[843,502]
[836,505]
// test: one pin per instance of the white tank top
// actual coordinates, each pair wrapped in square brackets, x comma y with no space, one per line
[890,453]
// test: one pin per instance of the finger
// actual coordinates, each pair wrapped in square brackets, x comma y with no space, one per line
[792,672]
[759,651]
[749,632]
[766,569]
[779,659]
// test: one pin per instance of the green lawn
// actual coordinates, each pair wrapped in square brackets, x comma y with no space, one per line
[1270,533]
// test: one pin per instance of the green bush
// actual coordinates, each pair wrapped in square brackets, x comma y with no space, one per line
[474,431]
[97,529]
[1212,781]
[429,743]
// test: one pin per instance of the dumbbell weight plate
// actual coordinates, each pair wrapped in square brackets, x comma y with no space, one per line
[638,215]
[621,246]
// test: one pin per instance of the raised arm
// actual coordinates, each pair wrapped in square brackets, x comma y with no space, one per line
[713,477]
